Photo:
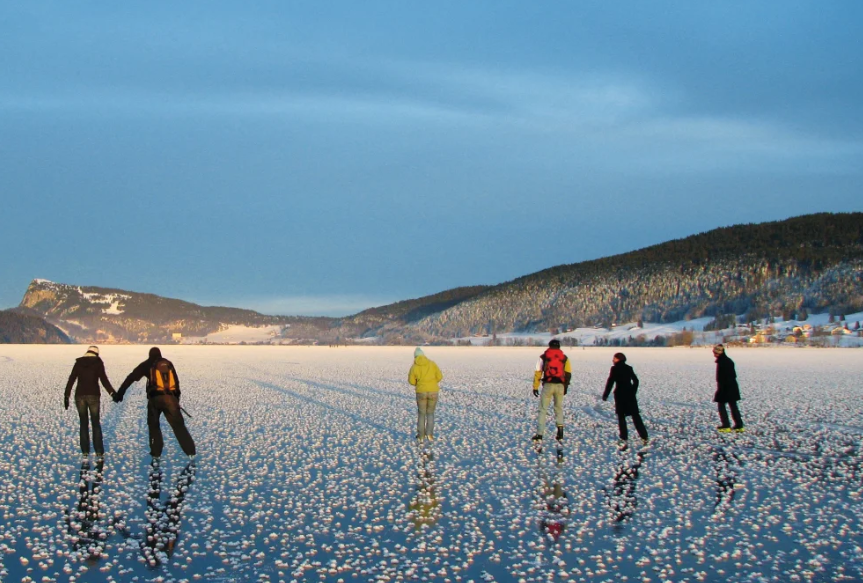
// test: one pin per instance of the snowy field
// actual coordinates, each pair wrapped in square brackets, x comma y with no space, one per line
[307,471]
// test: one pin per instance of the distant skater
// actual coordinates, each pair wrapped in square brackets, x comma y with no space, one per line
[554,372]
[89,370]
[622,378]
[425,376]
[163,396]
[727,391]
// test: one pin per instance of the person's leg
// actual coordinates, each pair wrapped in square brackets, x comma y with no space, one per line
[639,424]
[544,400]
[174,417]
[735,415]
[432,404]
[623,431]
[422,407]
[723,415]
[84,420]
[558,405]
[153,414]
[93,406]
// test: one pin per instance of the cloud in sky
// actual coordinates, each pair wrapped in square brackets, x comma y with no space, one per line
[395,150]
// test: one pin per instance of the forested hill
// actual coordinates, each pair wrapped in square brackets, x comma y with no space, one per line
[809,263]
[20,328]
[393,317]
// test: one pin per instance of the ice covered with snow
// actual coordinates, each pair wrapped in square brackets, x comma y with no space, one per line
[307,471]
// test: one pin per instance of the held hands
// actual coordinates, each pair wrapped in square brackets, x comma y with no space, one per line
[536,392]
[117,397]
[565,389]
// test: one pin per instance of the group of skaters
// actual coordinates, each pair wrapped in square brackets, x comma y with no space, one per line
[163,398]
[552,376]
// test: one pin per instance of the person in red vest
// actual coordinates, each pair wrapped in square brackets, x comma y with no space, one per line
[554,372]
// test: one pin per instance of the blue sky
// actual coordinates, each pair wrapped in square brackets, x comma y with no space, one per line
[325,157]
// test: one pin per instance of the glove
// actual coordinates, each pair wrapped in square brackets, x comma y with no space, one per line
[565,389]
[536,392]
[117,397]
[605,399]
[66,403]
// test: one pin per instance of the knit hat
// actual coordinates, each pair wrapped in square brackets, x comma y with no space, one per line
[718,350]
[418,352]
[620,356]
[94,350]
[554,343]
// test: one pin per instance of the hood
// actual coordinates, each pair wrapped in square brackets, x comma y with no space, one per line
[421,360]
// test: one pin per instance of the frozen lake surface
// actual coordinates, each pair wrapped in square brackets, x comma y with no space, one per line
[307,471]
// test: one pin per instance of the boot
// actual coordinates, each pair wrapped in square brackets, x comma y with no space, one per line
[560,432]
[537,437]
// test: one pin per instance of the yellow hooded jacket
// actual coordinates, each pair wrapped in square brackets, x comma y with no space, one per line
[425,375]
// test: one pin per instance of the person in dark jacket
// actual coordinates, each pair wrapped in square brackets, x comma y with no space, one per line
[163,396]
[622,378]
[727,391]
[89,370]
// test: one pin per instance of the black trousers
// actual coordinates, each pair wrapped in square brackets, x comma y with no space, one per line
[88,412]
[636,420]
[735,414]
[170,406]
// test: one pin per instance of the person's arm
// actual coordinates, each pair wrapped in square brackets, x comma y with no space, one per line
[438,373]
[537,377]
[567,375]
[608,384]
[634,382]
[412,375]
[176,380]
[72,378]
[136,375]
[103,376]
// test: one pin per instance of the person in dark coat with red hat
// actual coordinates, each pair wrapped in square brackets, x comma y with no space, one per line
[727,391]
[622,378]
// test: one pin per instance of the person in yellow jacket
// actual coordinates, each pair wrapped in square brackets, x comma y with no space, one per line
[555,373]
[425,376]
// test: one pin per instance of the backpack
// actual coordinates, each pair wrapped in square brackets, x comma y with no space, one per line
[162,377]
[554,361]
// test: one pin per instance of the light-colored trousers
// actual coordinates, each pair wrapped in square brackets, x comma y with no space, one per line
[426,403]
[549,391]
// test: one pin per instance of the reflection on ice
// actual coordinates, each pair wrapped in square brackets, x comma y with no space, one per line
[86,523]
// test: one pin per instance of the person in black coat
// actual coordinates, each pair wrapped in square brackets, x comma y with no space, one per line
[727,391]
[89,370]
[625,384]
[161,399]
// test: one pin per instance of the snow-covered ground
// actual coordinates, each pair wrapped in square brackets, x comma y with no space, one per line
[307,471]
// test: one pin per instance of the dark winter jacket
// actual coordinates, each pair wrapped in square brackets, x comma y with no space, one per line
[727,389]
[143,371]
[623,376]
[88,371]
